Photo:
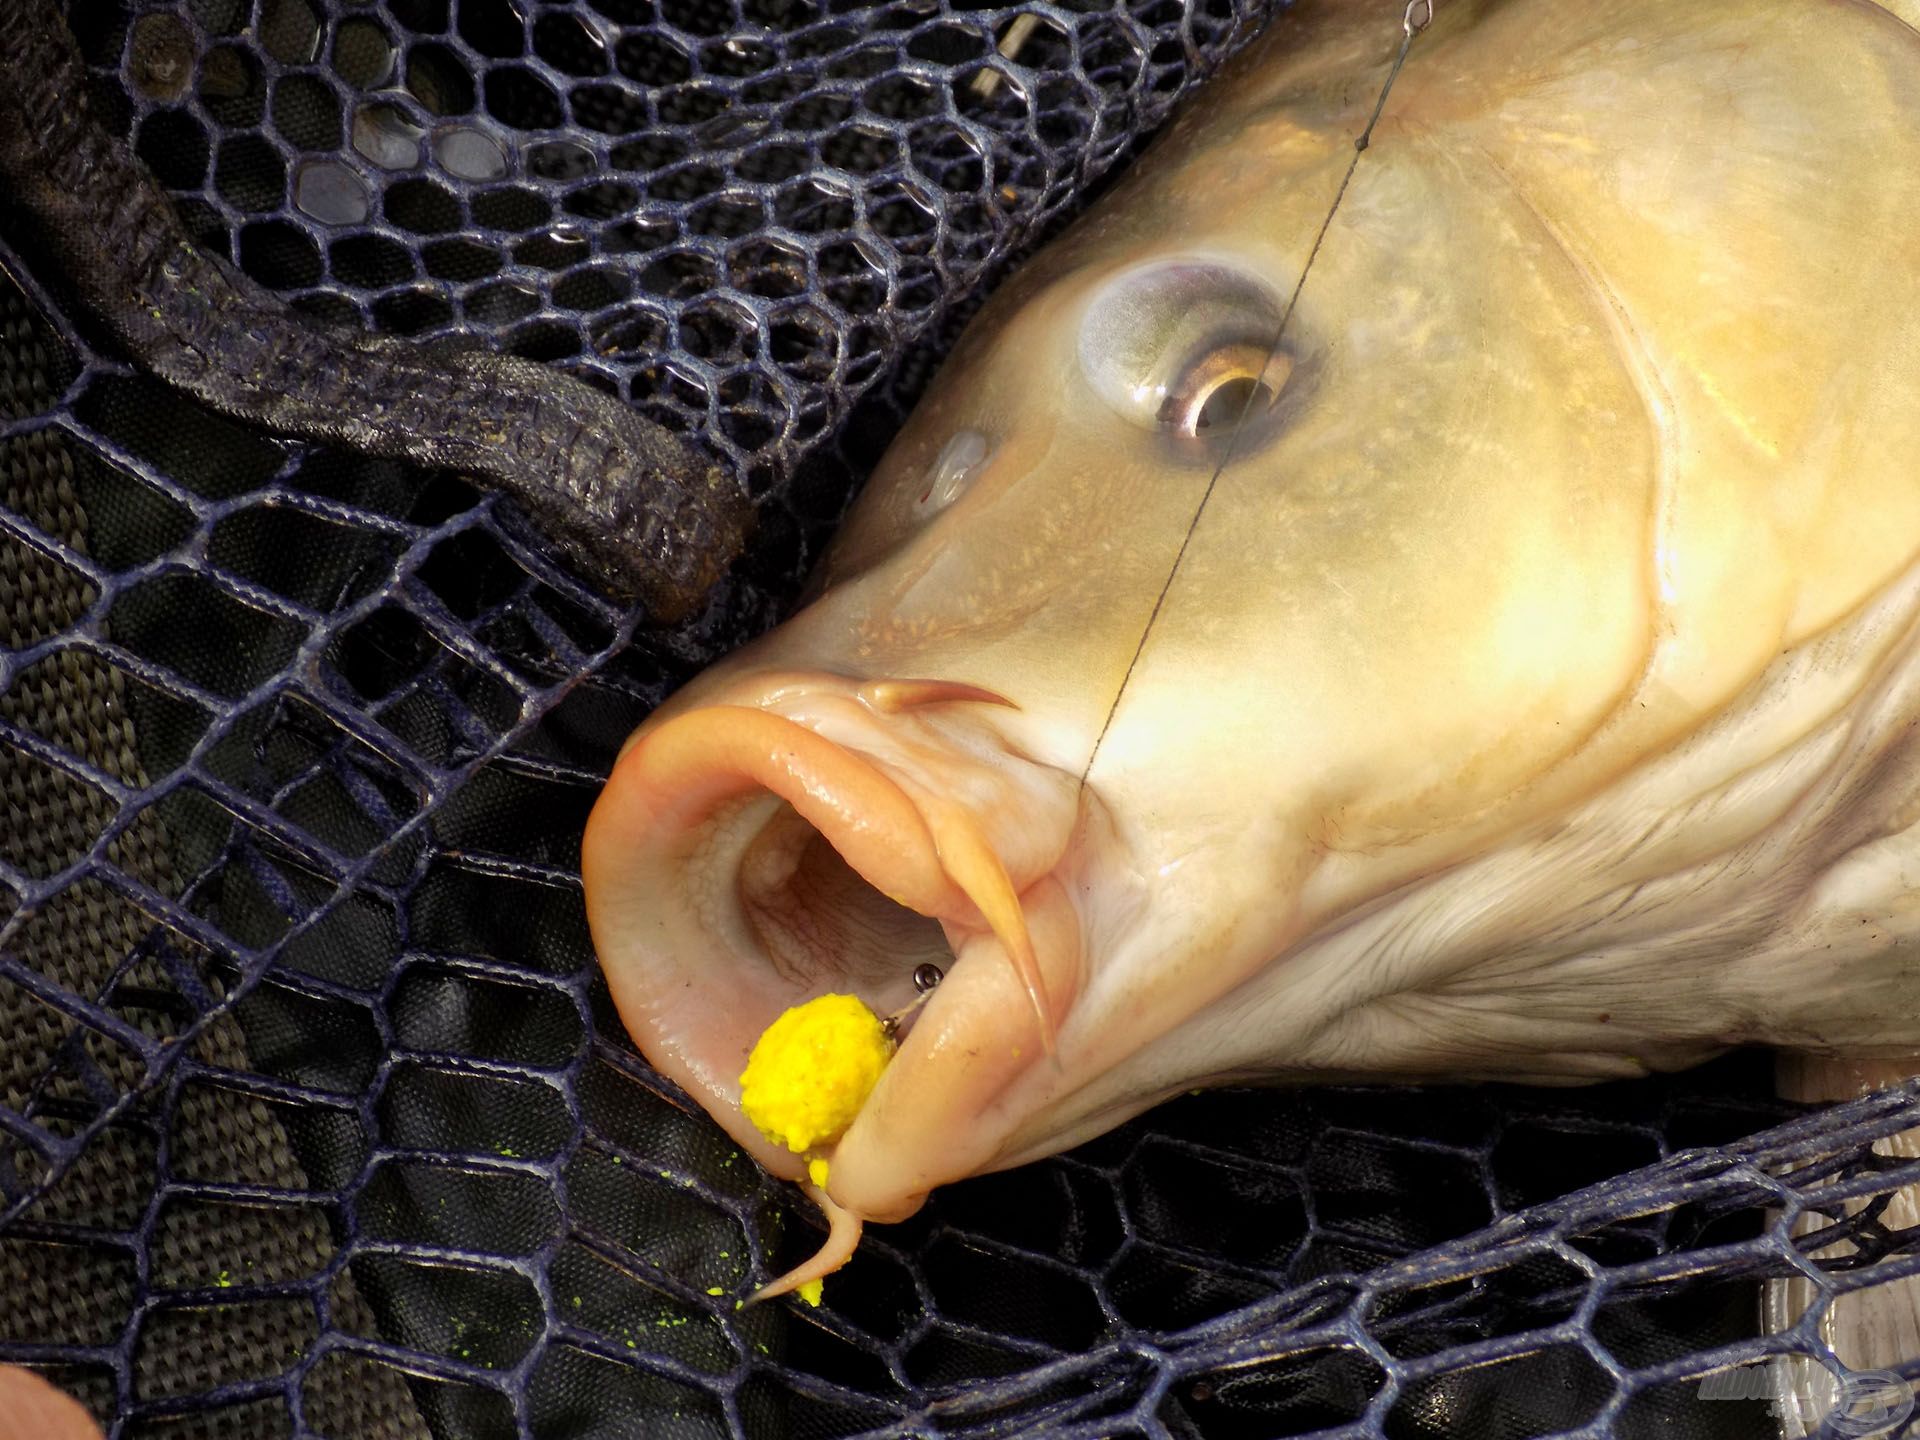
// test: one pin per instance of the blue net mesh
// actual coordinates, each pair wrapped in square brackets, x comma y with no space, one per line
[314,1117]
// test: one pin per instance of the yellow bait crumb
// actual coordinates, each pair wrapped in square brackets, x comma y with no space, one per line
[809,1292]
[817,1172]
[812,1070]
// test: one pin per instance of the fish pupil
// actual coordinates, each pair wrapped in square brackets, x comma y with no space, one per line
[1227,401]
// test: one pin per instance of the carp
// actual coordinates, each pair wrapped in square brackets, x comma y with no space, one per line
[1450,614]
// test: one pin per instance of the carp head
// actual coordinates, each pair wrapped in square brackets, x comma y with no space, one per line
[1193,747]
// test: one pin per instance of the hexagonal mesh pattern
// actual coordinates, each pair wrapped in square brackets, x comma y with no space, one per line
[734,213]
[314,1118]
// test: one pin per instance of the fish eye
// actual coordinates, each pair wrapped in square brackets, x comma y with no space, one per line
[1185,348]
[1211,396]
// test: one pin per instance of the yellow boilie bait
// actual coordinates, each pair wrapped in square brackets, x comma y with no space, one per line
[813,1069]
[809,1074]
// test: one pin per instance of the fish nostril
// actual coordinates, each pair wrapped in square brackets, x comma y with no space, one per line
[953,469]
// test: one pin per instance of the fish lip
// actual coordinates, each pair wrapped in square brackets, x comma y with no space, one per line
[691,974]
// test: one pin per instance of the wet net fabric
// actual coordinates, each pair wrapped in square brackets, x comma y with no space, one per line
[314,1118]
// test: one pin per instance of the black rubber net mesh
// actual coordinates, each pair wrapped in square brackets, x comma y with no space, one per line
[314,1116]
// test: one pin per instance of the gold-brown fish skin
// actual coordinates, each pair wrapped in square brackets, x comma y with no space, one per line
[1532,697]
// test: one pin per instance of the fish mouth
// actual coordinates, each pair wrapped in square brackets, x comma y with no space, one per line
[805,835]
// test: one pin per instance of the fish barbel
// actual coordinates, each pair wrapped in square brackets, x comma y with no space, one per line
[1534,695]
